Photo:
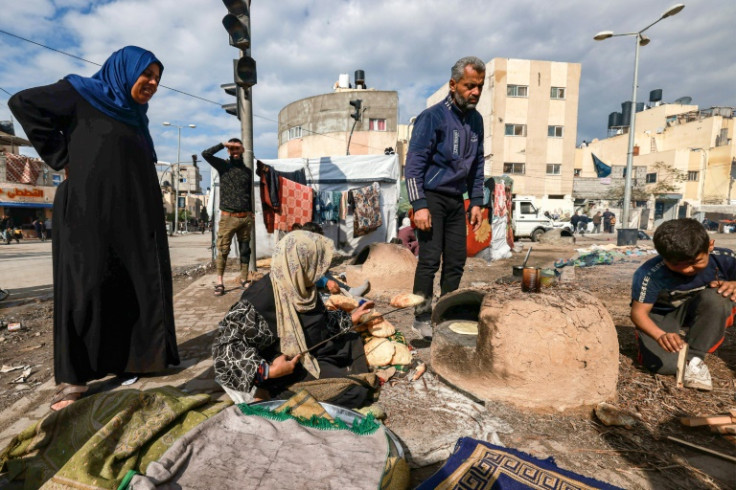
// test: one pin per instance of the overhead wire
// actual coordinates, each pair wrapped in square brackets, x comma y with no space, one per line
[163,86]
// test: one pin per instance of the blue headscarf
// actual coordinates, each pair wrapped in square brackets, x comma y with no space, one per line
[108,90]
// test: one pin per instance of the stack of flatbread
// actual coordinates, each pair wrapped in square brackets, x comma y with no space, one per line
[382,352]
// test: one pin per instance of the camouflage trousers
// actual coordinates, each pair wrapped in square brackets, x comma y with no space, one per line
[229,226]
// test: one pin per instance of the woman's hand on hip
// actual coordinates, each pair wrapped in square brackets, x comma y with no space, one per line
[283,366]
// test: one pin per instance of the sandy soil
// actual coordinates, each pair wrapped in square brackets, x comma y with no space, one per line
[641,457]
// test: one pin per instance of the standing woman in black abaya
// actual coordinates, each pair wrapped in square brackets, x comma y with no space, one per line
[113,310]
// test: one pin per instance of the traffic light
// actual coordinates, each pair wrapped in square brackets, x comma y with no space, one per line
[194,160]
[237,24]
[245,72]
[356,103]
[234,107]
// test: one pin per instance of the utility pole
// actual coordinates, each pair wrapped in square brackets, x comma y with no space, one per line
[178,163]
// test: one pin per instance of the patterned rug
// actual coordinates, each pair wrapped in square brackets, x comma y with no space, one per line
[480,465]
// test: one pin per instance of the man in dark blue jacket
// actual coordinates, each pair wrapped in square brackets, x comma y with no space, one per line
[445,160]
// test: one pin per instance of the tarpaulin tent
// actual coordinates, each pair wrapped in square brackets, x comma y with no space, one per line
[340,173]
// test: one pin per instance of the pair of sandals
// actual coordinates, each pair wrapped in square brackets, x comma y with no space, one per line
[220,288]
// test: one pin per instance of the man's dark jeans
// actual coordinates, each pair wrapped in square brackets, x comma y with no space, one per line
[445,241]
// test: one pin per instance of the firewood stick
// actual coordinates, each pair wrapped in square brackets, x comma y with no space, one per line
[701,448]
[681,361]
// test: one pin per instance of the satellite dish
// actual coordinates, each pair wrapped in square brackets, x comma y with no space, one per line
[684,100]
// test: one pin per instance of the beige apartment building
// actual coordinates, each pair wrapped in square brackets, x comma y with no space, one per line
[321,125]
[530,113]
[683,161]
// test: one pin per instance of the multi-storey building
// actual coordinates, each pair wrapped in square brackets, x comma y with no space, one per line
[191,198]
[683,157]
[324,125]
[530,112]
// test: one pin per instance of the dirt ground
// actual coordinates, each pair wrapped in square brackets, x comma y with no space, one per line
[641,457]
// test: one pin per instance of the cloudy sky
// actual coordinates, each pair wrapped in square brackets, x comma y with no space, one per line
[301,46]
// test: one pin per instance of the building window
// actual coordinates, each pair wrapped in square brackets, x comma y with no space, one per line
[557,93]
[295,132]
[577,172]
[554,131]
[377,125]
[56,179]
[517,90]
[651,178]
[513,168]
[692,176]
[556,196]
[553,168]
[516,130]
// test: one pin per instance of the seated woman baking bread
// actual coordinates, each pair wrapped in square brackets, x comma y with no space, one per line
[262,340]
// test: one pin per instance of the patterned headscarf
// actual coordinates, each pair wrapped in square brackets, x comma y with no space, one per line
[299,260]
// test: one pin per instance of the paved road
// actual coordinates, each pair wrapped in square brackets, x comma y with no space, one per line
[25,267]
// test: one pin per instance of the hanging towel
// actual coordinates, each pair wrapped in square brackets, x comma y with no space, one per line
[319,204]
[367,209]
[266,188]
[344,204]
[296,205]
[326,207]
[499,199]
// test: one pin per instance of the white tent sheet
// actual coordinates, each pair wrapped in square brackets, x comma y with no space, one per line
[340,173]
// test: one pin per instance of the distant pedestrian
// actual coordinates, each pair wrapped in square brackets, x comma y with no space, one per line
[597,222]
[583,224]
[38,226]
[407,236]
[574,221]
[47,227]
[607,225]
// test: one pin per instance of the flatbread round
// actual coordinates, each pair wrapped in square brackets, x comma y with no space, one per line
[404,300]
[382,328]
[402,355]
[464,327]
[379,352]
[371,315]
[344,303]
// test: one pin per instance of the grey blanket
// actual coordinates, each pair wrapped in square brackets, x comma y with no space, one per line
[232,450]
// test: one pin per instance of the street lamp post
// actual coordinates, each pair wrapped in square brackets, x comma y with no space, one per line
[178,163]
[641,40]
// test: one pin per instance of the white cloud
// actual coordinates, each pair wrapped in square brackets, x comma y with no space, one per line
[301,46]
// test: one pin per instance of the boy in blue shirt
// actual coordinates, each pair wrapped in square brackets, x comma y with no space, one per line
[690,287]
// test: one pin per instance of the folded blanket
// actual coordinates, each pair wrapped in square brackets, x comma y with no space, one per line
[95,441]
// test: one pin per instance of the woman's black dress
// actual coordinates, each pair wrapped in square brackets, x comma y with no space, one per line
[113,309]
